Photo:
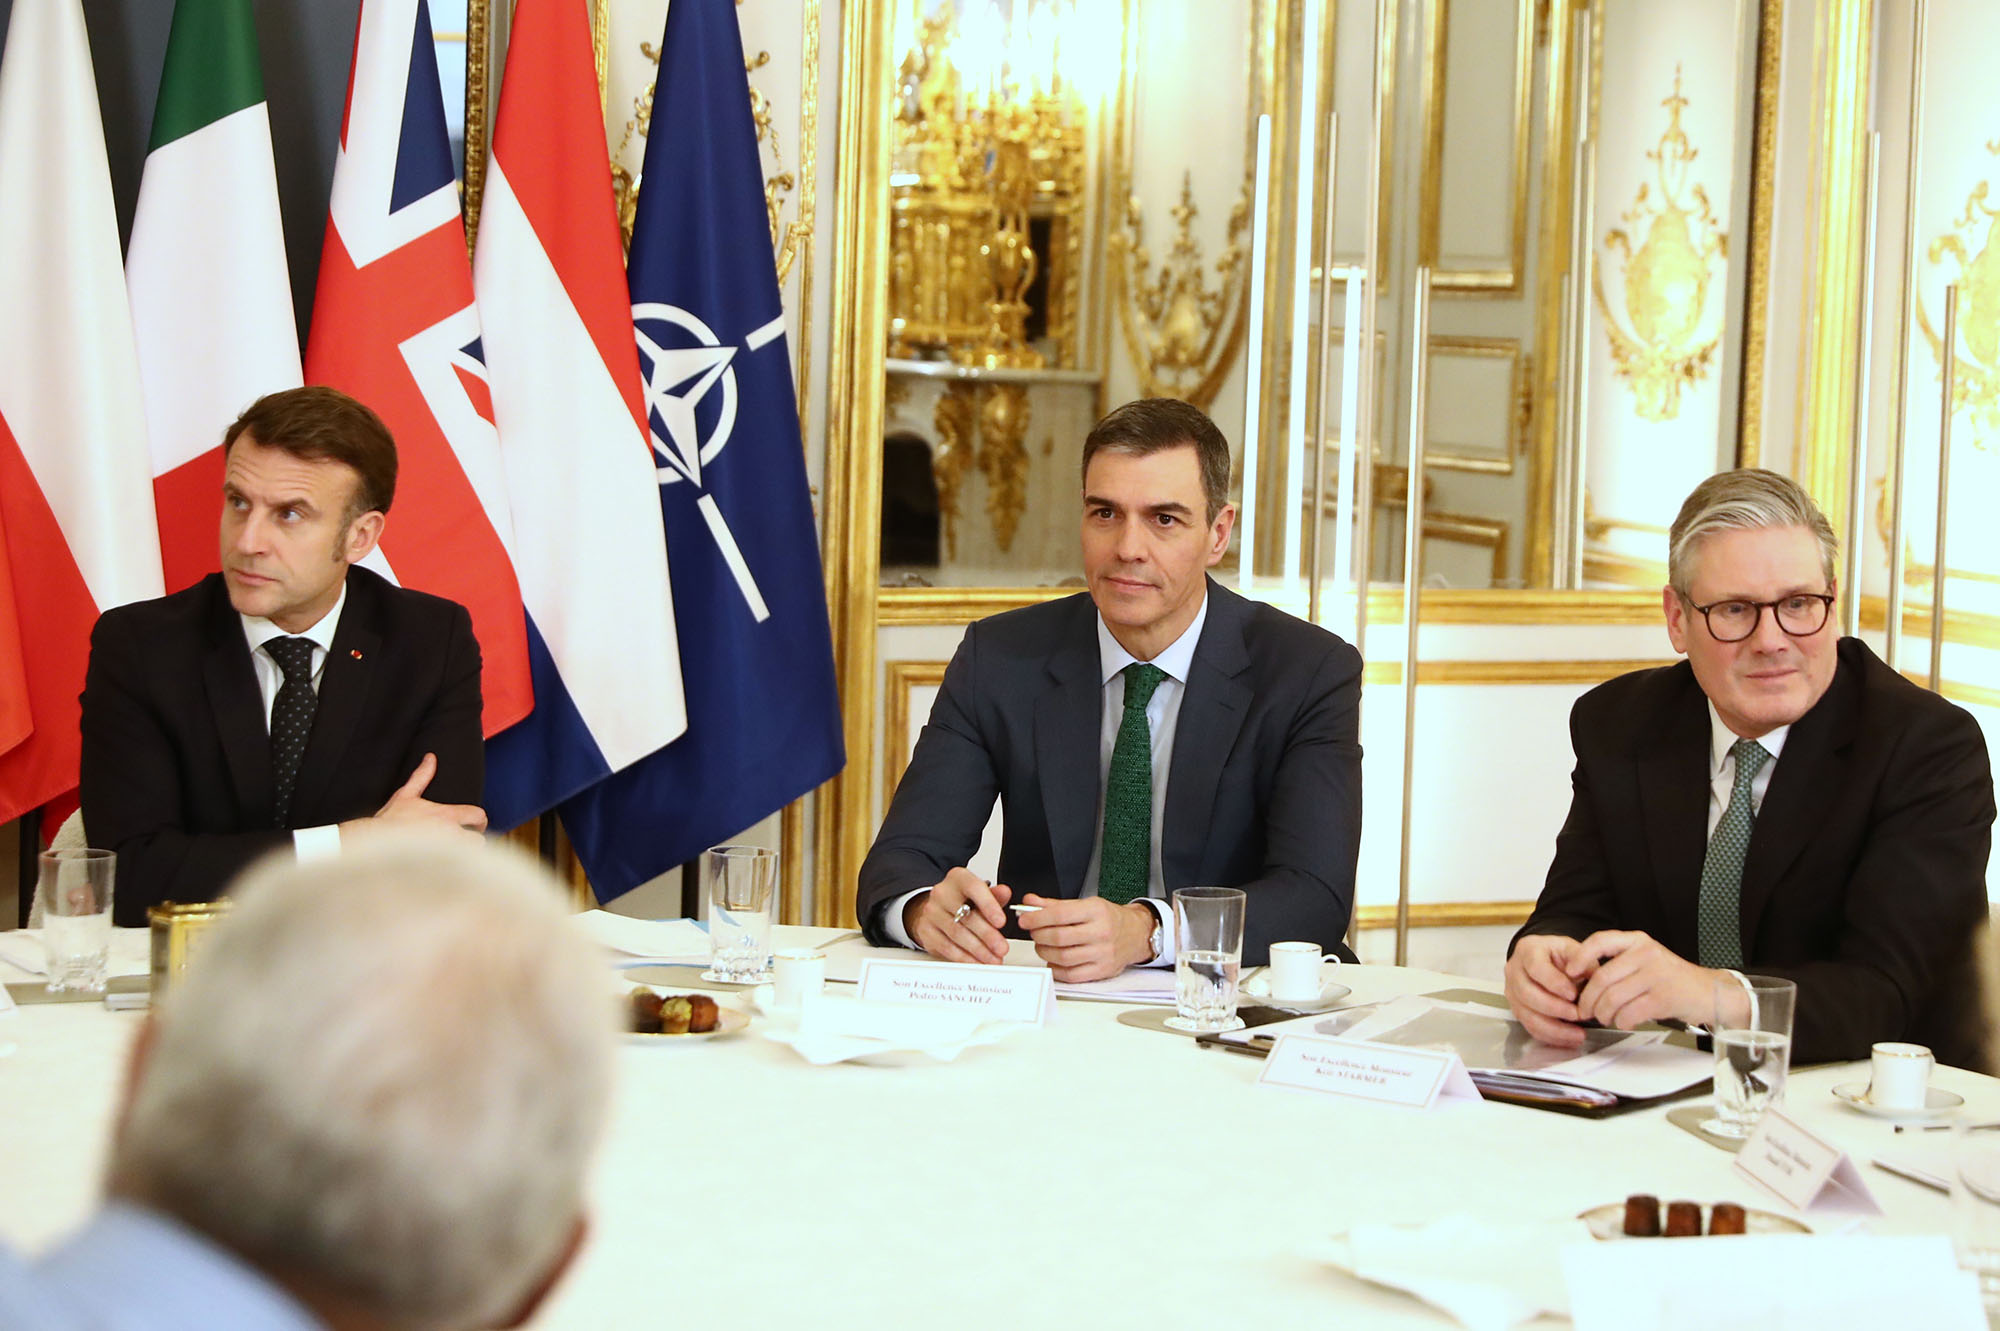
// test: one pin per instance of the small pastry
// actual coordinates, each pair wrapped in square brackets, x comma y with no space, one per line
[1683,1220]
[1726,1218]
[1642,1216]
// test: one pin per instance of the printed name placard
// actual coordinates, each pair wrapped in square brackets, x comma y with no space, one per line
[1364,1071]
[1802,1169]
[999,993]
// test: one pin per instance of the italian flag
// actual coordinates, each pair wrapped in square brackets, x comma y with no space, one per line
[76,513]
[211,296]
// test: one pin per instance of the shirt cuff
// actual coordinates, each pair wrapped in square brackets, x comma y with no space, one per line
[316,843]
[892,918]
[1165,914]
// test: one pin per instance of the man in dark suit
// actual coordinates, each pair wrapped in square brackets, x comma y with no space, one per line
[290,698]
[1159,732]
[1782,801]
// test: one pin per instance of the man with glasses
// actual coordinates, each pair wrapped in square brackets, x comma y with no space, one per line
[1782,802]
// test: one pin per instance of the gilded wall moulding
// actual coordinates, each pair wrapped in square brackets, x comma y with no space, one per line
[1973,244]
[1181,333]
[1657,348]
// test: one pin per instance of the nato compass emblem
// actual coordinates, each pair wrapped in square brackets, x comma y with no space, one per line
[682,363]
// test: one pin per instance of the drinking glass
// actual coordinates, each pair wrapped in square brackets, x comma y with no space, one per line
[741,883]
[1208,953]
[1975,1199]
[1753,1050]
[75,887]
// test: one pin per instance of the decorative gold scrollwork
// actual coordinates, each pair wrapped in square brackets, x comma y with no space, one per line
[1182,335]
[1003,458]
[1974,243]
[956,419]
[786,238]
[1658,349]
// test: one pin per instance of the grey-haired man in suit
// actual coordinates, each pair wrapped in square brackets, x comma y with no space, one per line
[1781,801]
[1235,764]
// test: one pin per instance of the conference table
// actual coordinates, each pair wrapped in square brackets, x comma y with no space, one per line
[1088,1173]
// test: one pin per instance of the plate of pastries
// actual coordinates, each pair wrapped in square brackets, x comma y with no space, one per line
[1642,1216]
[650,1014]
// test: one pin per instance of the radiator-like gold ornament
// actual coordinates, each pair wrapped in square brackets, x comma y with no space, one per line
[1973,244]
[1657,346]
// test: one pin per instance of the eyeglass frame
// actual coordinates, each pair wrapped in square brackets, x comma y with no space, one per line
[1825,599]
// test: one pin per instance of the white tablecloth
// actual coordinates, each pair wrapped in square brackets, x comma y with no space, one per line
[1088,1174]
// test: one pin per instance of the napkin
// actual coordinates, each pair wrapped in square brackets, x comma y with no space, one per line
[1488,1276]
[21,951]
[682,942]
[834,1029]
[1775,1282]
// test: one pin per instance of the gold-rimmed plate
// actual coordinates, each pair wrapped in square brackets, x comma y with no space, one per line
[1608,1222]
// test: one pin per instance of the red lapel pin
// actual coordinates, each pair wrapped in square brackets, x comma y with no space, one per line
[356,653]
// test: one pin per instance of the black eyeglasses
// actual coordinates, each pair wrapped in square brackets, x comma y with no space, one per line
[1800,615]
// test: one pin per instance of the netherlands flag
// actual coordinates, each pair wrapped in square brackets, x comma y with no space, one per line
[590,547]
[395,325]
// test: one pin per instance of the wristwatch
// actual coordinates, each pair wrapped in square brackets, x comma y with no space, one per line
[1158,940]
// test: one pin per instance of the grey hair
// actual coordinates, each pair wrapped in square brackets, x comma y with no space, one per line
[386,1072]
[1745,499]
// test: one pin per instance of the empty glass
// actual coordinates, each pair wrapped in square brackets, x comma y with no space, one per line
[742,880]
[75,888]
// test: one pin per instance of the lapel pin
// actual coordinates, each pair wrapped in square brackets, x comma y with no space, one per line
[356,653]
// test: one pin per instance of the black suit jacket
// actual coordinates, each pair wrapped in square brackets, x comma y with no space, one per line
[177,749]
[1263,789]
[1865,880]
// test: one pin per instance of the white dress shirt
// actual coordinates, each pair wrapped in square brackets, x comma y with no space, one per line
[1163,712]
[308,842]
[1722,767]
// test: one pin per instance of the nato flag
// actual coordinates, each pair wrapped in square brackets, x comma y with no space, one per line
[756,653]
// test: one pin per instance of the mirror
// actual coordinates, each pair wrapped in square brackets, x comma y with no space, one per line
[1077,217]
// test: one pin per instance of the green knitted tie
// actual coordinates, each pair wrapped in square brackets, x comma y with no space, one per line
[1128,794]
[1719,914]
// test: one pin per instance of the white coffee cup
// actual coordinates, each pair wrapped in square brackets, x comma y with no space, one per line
[1901,1075]
[1295,972]
[797,973]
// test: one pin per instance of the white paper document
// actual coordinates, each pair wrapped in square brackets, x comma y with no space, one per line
[1773,1282]
[677,942]
[1137,985]
[1627,1064]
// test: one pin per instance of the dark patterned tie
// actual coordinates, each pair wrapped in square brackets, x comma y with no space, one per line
[1124,865]
[1719,914]
[291,718]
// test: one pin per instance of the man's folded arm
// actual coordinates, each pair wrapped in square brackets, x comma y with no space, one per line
[1915,899]
[131,794]
[940,807]
[1312,828]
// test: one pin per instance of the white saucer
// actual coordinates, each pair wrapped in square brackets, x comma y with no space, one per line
[1258,990]
[1937,1103]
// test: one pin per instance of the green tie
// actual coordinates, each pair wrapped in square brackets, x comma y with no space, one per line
[1719,914]
[1128,794]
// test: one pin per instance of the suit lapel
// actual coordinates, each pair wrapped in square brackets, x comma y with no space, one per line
[1211,715]
[344,688]
[1673,794]
[1069,717]
[1809,773]
[230,682]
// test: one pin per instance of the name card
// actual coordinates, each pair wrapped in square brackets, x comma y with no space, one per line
[998,993]
[1802,1169]
[1363,1071]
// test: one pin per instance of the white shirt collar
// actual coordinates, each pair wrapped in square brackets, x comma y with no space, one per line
[1721,739]
[257,630]
[1175,659]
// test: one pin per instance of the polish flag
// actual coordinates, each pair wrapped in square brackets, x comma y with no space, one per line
[590,546]
[76,497]
[394,325]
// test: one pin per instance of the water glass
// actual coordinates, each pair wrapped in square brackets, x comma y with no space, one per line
[1975,1199]
[1753,1050]
[742,880]
[1208,954]
[75,888]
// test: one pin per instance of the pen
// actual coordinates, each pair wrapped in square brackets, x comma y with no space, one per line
[1024,910]
[1923,1127]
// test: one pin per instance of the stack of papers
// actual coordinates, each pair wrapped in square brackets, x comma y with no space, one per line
[1149,985]
[673,942]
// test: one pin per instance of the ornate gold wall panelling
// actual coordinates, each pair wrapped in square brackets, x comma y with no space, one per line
[1770,47]
[1552,263]
[1473,281]
[1475,673]
[1448,915]
[900,678]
